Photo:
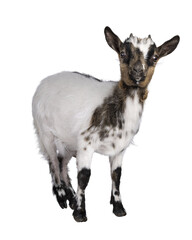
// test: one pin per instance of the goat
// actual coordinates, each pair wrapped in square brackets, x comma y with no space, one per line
[76,115]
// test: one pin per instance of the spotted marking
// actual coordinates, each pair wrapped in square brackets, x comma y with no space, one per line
[120,135]
[87,138]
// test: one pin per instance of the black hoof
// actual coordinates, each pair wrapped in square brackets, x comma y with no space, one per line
[72,203]
[62,203]
[118,209]
[79,215]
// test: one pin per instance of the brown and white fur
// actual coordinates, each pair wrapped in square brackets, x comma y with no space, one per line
[76,115]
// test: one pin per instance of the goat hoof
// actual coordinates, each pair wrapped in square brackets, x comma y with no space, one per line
[73,203]
[79,215]
[62,204]
[118,209]
[62,201]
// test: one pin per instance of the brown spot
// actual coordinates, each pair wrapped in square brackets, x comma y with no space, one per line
[89,143]
[120,135]
[87,138]
[113,145]
[112,134]
[85,148]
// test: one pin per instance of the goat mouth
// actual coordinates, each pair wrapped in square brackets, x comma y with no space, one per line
[138,79]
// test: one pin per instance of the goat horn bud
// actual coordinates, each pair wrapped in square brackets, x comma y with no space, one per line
[131,35]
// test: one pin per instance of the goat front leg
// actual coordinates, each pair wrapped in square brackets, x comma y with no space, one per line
[84,158]
[116,163]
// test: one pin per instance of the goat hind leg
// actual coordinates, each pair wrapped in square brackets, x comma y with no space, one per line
[64,158]
[50,153]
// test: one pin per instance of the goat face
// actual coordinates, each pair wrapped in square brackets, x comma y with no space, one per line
[138,57]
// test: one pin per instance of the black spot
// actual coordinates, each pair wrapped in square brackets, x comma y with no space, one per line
[116,193]
[85,148]
[113,145]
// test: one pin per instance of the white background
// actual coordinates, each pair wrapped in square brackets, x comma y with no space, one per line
[40,38]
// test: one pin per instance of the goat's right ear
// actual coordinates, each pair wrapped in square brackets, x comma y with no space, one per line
[112,39]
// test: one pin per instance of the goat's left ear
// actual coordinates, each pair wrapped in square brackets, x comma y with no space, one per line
[168,46]
[112,39]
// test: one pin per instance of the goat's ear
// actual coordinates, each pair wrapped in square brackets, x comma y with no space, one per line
[112,39]
[168,46]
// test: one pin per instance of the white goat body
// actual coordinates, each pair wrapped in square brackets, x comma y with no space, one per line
[63,106]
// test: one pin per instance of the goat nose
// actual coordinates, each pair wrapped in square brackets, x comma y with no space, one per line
[138,68]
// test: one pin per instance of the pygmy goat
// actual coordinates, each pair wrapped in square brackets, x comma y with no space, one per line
[76,115]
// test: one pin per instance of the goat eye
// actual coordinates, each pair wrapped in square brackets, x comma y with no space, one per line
[155,57]
[122,54]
